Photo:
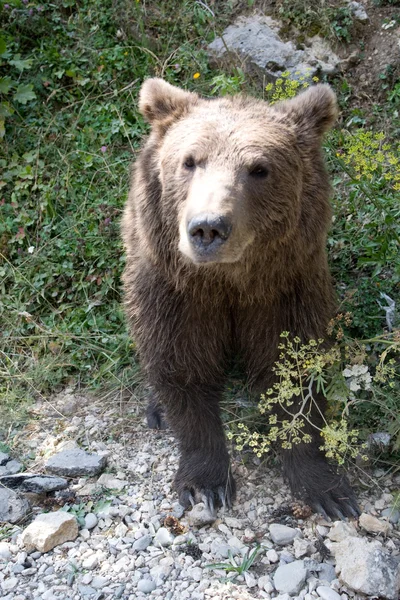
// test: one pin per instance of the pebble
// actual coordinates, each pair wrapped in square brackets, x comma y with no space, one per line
[373,525]
[146,586]
[200,516]
[75,463]
[163,537]
[142,543]
[5,551]
[272,556]
[327,593]
[282,534]
[290,578]
[90,521]
[392,514]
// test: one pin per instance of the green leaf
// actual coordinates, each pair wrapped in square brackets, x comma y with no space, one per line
[2,46]
[21,64]
[24,93]
[2,129]
[5,84]
[6,110]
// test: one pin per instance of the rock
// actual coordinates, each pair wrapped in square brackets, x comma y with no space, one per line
[379,441]
[341,531]
[10,467]
[160,573]
[99,582]
[233,523]
[111,483]
[90,521]
[5,553]
[142,543]
[392,514]
[12,506]
[9,584]
[256,38]
[222,549]
[195,573]
[36,484]
[327,593]
[264,583]
[282,534]
[373,525]
[163,538]
[358,11]
[121,530]
[146,586]
[177,510]
[49,530]
[4,458]
[367,568]
[90,563]
[289,579]
[76,463]
[200,516]
[272,556]
[326,572]
[86,590]
[250,580]
[302,548]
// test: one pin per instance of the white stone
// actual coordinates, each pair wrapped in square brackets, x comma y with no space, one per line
[200,516]
[121,530]
[290,578]
[282,534]
[374,525]
[327,593]
[163,538]
[272,556]
[49,530]
[90,521]
[9,584]
[195,573]
[91,562]
[367,568]
[146,586]
[341,531]
[5,551]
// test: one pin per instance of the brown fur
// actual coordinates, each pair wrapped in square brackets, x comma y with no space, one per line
[192,311]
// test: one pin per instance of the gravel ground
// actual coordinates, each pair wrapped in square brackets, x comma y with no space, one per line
[126,548]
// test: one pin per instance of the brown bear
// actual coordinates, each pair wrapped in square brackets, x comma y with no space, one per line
[225,230]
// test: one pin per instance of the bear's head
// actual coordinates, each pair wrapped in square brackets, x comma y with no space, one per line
[234,170]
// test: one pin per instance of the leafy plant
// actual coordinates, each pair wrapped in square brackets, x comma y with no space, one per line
[237,565]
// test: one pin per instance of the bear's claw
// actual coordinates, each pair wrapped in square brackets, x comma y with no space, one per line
[207,479]
[211,499]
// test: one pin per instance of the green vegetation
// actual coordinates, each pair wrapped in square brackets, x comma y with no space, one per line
[70,72]
[238,565]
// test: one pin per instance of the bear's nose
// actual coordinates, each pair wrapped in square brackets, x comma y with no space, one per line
[208,229]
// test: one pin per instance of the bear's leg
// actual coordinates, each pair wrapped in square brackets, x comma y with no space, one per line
[155,414]
[204,469]
[183,342]
[311,477]
[320,484]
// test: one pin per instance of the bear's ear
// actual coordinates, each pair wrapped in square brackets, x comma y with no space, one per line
[159,101]
[314,111]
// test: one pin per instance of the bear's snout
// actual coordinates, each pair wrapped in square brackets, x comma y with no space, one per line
[208,231]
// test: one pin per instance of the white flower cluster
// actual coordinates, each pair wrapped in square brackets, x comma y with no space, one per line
[358,377]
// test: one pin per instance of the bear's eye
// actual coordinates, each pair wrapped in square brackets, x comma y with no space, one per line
[258,171]
[189,163]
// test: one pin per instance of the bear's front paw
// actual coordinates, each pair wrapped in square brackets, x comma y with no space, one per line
[327,491]
[206,478]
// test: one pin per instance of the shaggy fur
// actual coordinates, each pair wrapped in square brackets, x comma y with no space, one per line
[193,306]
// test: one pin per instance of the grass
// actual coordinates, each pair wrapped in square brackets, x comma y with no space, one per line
[72,130]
